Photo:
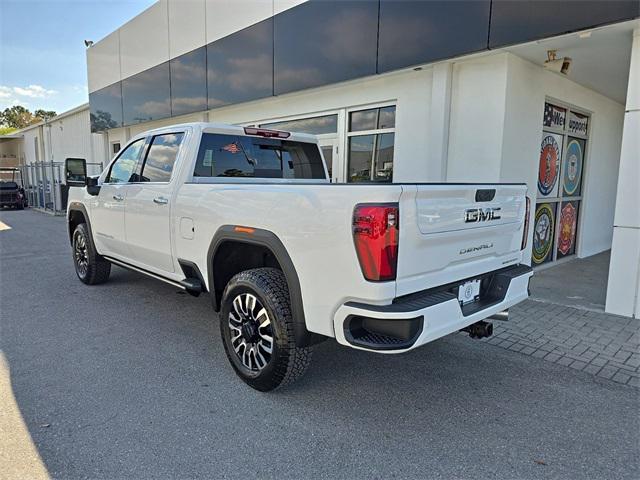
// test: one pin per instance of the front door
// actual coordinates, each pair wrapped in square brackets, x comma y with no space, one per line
[148,213]
[108,210]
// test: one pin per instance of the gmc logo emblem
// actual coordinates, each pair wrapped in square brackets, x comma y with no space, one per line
[473,215]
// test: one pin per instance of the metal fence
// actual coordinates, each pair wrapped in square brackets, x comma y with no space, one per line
[44,185]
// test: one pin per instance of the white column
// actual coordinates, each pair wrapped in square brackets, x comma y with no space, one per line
[439,121]
[623,291]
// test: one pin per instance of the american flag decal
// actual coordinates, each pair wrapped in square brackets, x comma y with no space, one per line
[554,116]
[231,148]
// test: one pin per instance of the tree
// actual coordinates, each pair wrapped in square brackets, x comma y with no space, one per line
[44,114]
[19,117]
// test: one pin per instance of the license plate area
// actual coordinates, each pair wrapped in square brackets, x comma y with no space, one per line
[469,292]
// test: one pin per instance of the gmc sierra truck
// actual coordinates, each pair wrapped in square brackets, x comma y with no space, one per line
[249,216]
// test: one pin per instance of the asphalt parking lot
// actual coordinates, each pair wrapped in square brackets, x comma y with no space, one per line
[129,380]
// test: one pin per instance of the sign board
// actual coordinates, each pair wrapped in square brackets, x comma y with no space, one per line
[578,123]
[554,116]
[550,155]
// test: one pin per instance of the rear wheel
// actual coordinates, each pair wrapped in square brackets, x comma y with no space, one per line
[257,330]
[91,268]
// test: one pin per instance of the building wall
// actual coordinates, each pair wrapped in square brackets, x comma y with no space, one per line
[187,56]
[411,91]
[496,126]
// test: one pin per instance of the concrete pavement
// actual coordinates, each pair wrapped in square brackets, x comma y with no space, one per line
[132,380]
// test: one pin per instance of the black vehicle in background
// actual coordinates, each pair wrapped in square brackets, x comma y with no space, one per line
[12,194]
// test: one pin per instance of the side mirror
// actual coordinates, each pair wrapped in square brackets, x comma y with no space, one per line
[76,172]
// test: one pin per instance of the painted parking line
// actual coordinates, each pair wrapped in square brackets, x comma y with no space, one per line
[4,226]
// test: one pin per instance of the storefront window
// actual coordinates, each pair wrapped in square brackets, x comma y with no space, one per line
[371,138]
[315,125]
[560,171]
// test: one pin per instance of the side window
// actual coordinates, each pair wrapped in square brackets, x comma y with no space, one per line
[161,157]
[124,167]
[223,156]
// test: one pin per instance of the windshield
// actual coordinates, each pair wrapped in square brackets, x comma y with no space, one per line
[8,185]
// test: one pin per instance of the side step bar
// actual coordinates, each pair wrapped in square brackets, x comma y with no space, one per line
[193,286]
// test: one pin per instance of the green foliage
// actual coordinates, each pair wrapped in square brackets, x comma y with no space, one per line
[17,117]
[7,130]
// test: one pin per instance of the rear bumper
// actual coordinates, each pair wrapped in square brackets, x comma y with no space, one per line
[422,317]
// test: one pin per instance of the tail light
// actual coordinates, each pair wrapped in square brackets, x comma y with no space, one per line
[375,234]
[525,232]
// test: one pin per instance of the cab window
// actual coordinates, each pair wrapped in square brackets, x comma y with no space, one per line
[124,167]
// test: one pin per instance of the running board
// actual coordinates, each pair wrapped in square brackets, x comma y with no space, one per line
[193,286]
[148,273]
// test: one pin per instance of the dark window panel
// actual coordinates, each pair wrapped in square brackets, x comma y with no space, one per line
[372,119]
[312,125]
[146,95]
[418,31]
[189,82]
[240,66]
[523,20]
[324,41]
[106,108]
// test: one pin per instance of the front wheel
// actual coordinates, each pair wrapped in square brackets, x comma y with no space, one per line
[91,268]
[257,330]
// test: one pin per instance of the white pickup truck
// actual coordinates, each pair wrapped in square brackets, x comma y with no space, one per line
[289,259]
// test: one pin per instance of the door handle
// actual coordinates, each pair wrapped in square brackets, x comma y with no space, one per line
[161,200]
[118,198]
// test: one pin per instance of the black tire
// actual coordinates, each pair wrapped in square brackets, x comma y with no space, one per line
[286,362]
[91,268]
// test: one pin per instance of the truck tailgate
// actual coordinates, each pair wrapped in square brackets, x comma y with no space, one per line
[451,232]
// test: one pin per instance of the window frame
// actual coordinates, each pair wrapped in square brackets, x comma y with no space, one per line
[142,161]
[358,133]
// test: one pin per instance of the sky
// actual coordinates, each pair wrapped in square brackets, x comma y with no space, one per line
[42,54]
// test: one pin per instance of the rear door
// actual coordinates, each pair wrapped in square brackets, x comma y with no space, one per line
[452,232]
[148,205]
[108,208]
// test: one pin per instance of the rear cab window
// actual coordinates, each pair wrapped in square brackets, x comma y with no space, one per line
[257,157]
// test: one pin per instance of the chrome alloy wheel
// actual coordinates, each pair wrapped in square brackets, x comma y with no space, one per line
[81,255]
[251,332]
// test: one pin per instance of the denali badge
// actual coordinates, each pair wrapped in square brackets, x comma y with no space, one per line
[477,248]
[481,214]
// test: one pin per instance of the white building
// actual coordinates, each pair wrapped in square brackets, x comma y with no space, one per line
[404,91]
[42,148]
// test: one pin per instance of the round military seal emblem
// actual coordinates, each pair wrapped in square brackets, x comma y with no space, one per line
[572,167]
[567,233]
[542,233]
[549,164]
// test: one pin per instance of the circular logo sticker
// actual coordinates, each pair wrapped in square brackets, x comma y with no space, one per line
[567,232]
[542,233]
[572,167]
[549,163]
